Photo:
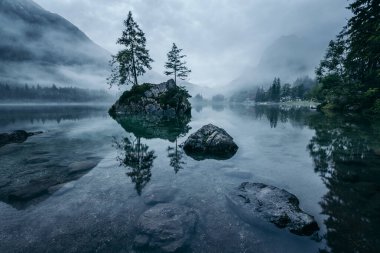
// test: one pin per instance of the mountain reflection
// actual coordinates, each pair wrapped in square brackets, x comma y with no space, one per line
[138,159]
[346,155]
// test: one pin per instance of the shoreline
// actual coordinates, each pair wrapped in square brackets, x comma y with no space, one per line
[55,104]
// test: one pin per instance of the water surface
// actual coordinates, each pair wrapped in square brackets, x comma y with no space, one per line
[332,164]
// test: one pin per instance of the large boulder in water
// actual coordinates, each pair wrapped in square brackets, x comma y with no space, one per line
[210,142]
[165,228]
[252,201]
[164,99]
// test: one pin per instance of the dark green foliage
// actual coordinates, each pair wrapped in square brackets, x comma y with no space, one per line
[50,94]
[345,151]
[301,89]
[298,91]
[333,62]
[135,93]
[286,90]
[349,75]
[134,59]
[376,107]
[174,97]
[260,95]
[362,36]
[175,65]
[274,92]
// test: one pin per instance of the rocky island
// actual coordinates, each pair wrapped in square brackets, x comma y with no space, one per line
[157,100]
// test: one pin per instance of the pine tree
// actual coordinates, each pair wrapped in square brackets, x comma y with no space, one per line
[175,65]
[274,91]
[362,36]
[260,95]
[286,91]
[134,59]
[350,71]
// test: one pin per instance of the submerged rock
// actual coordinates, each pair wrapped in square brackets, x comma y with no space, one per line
[164,99]
[82,166]
[33,189]
[159,194]
[18,136]
[165,228]
[255,200]
[210,142]
[38,181]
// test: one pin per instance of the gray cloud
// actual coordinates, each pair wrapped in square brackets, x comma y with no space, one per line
[220,37]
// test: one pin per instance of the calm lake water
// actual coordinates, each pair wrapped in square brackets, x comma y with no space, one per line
[332,164]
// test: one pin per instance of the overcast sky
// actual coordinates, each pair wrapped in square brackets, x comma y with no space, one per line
[220,37]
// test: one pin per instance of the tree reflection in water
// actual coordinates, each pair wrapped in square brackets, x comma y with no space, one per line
[346,156]
[296,116]
[175,155]
[138,159]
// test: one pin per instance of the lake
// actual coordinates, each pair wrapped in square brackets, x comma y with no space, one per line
[331,163]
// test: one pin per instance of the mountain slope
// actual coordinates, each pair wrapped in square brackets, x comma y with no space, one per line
[40,46]
[288,58]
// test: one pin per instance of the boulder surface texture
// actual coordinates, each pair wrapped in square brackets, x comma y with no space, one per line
[164,99]
[256,200]
[210,142]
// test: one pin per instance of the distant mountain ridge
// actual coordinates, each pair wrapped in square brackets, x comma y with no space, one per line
[288,58]
[37,45]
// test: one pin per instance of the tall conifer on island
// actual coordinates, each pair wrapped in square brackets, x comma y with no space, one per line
[175,65]
[133,60]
